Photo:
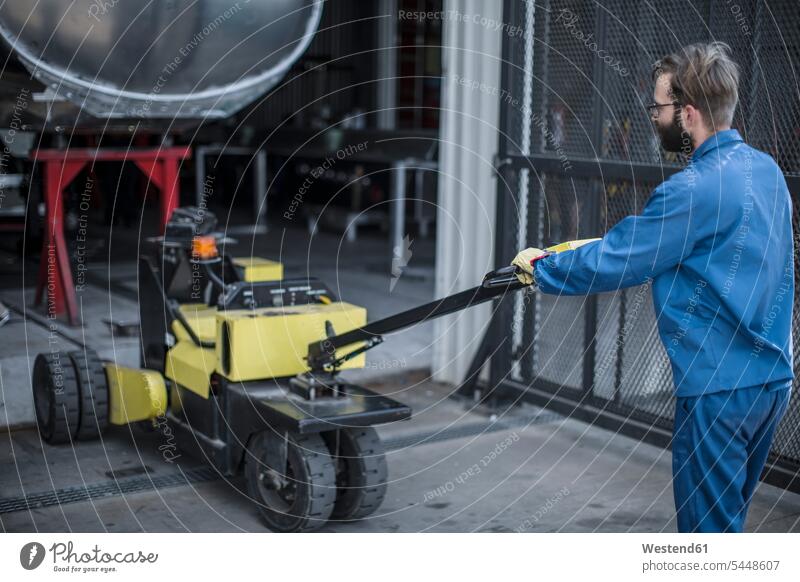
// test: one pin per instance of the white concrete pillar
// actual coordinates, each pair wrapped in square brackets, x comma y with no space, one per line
[467,184]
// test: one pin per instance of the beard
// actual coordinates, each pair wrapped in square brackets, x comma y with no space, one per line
[673,137]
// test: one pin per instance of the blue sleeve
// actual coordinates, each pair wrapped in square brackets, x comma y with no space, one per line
[636,249]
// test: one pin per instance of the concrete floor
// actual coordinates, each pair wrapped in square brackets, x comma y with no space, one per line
[552,474]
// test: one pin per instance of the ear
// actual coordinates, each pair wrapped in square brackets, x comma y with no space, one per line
[691,117]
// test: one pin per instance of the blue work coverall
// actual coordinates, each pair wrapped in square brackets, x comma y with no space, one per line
[715,242]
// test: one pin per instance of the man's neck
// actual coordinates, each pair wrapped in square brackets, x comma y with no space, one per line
[701,135]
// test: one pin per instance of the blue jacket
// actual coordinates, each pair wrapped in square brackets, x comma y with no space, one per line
[715,241]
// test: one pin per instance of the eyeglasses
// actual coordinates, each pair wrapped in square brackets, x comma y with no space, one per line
[653,108]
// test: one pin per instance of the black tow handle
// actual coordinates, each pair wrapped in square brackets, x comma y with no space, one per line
[501,277]
[322,353]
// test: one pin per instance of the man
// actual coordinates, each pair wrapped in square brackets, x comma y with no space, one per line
[715,241]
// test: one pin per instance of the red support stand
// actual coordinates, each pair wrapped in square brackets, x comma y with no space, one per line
[60,167]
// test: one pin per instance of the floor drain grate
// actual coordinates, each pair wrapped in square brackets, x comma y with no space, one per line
[107,489]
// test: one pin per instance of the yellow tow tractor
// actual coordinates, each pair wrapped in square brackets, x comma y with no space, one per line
[244,367]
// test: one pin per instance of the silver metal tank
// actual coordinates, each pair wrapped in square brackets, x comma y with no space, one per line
[150,59]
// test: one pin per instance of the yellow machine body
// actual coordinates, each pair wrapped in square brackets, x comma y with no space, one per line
[254,345]
[134,394]
[273,342]
[254,269]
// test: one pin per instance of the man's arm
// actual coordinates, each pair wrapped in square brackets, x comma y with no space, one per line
[636,249]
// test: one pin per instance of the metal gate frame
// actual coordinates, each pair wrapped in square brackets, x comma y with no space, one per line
[582,402]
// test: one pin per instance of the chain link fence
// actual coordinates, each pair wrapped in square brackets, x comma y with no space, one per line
[581,154]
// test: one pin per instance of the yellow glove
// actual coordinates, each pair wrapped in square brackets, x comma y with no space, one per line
[523,261]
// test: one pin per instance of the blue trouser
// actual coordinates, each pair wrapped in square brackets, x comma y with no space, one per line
[719,449]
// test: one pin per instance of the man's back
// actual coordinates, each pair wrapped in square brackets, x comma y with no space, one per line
[725,310]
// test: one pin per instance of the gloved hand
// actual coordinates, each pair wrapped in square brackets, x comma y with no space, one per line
[523,261]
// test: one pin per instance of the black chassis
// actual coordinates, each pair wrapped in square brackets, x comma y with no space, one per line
[222,425]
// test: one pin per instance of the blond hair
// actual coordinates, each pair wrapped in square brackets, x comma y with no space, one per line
[706,77]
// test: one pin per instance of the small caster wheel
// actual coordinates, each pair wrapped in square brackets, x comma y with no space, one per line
[56,397]
[361,472]
[93,389]
[299,496]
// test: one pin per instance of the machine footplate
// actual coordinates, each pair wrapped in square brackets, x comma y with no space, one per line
[278,405]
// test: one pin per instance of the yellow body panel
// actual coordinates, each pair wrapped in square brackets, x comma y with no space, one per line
[201,317]
[135,394]
[187,364]
[258,269]
[191,366]
[273,342]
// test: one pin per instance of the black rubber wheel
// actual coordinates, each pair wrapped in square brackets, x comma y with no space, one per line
[299,496]
[361,471]
[93,388]
[56,397]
